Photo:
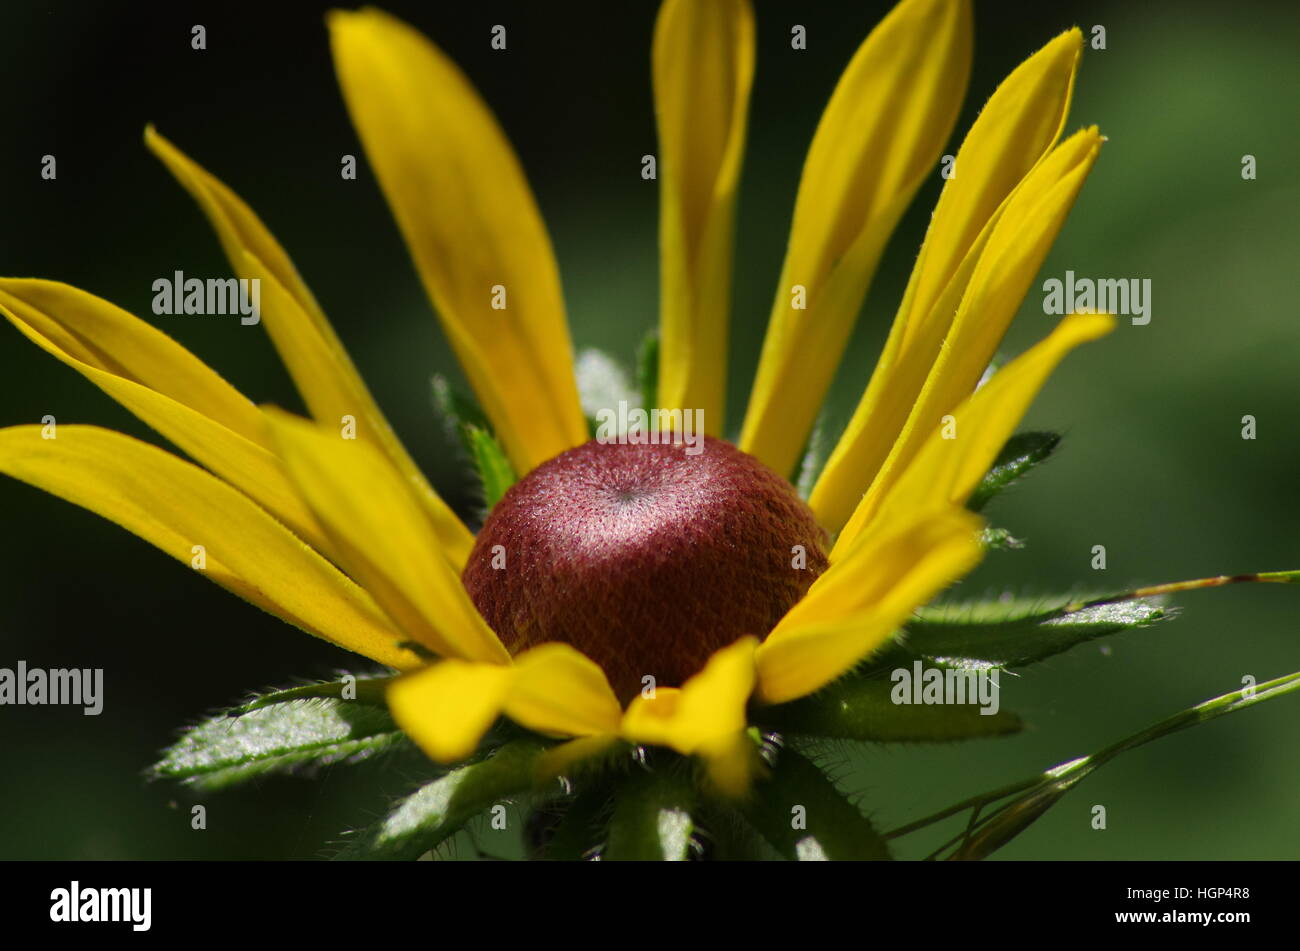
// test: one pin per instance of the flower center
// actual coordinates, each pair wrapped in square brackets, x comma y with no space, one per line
[647,558]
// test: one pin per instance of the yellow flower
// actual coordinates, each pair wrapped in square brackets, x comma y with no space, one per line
[345,539]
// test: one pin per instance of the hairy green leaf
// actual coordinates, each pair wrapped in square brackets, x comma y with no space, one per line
[1015,633]
[435,812]
[798,810]
[305,726]
[1023,452]
[652,819]
[579,827]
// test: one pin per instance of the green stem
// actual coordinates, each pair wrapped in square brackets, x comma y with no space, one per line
[1218,581]
[1040,791]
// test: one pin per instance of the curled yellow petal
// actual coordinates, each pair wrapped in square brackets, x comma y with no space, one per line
[312,353]
[1012,134]
[703,59]
[382,539]
[164,385]
[446,708]
[200,520]
[705,718]
[885,125]
[472,226]
[1015,250]
[552,689]
[558,690]
[862,599]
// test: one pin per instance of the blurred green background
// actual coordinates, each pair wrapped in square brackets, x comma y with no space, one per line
[1153,465]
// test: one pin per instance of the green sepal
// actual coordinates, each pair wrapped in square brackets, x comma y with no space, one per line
[278,732]
[471,429]
[798,810]
[1015,633]
[861,706]
[1023,452]
[647,370]
[653,818]
[494,470]
[457,410]
[580,827]
[438,810]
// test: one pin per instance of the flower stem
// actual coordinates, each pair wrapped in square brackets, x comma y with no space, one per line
[1218,581]
[981,837]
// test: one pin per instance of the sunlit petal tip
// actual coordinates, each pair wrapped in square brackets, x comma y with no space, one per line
[201,521]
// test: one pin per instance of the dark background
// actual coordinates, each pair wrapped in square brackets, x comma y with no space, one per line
[1153,466]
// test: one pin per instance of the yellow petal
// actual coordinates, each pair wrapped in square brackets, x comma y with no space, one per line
[176,506]
[559,690]
[321,369]
[706,717]
[703,65]
[884,127]
[1016,248]
[862,599]
[552,689]
[448,707]
[1012,134]
[382,539]
[1014,131]
[946,471]
[164,385]
[472,225]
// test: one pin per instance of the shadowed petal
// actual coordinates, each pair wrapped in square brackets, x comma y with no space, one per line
[175,506]
[382,539]
[163,384]
[321,369]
